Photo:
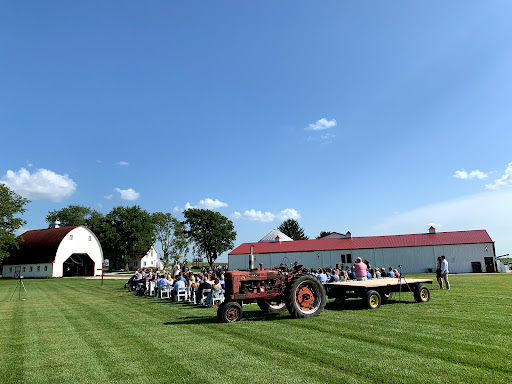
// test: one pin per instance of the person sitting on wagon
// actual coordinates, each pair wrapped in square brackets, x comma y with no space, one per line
[360,270]
[390,272]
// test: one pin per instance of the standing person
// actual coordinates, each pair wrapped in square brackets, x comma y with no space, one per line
[360,270]
[444,272]
[439,275]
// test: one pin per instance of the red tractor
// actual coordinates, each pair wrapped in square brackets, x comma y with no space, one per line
[275,290]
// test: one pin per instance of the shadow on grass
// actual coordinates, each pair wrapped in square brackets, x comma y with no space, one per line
[253,315]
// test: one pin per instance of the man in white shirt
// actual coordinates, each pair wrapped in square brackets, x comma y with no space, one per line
[444,271]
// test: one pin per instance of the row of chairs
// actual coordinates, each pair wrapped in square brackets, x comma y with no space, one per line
[183,295]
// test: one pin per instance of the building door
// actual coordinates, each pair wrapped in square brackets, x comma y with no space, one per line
[78,264]
[489,264]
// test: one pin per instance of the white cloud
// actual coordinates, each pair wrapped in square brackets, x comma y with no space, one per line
[202,204]
[123,163]
[40,185]
[211,204]
[321,124]
[266,217]
[128,194]
[471,175]
[489,210]
[108,197]
[503,181]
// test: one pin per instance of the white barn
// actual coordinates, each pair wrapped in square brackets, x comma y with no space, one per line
[466,251]
[56,252]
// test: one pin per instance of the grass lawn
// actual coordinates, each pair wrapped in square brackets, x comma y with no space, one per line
[74,331]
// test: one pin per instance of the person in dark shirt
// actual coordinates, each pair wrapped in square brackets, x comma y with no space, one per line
[204,285]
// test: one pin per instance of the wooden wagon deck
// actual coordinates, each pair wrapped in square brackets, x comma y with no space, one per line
[385,282]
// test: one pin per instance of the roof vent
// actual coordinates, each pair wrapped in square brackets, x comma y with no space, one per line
[431,229]
[348,235]
[277,239]
[56,224]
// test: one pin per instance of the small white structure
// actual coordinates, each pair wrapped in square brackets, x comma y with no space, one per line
[149,260]
[56,252]
[274,236]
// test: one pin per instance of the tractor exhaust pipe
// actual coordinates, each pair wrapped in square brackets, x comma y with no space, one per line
[251,259]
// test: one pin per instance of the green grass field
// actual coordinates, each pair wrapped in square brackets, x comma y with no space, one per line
[74,331]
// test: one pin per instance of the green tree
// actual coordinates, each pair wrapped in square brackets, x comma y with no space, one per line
[171,233]
[72,215]
[211,233]
[292,229]
[323,233]
[11,204]
[126,232]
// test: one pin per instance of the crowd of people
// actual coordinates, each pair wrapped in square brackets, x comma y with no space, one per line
[180,278]
[359,271]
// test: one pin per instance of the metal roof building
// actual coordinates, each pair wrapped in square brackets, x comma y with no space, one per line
[466,251]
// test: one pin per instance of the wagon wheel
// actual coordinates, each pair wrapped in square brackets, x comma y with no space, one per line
[305,296]
[373,299]
[422,294]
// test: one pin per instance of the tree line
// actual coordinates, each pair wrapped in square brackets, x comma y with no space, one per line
[127,232]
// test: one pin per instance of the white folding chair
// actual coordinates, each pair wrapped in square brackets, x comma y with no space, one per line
[193,294]
[206,292]
[181,295]
[165,292]
[218,299]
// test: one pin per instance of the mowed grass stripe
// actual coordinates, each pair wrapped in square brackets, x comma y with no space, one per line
[96,323]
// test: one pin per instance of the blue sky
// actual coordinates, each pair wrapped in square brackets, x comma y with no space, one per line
[375,117]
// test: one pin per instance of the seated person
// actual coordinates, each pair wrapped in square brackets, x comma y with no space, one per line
[383,272]
[204,285]
[390,272]
[214,294]
[397,275]
[377,273]
[178,283]
[321,276]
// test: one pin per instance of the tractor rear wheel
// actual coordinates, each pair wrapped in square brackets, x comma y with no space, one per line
[305,297]
[269,306]
[230,312]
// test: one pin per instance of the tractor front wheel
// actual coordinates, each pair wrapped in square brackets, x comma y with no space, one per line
[305,297]
[230,312]
[269,306]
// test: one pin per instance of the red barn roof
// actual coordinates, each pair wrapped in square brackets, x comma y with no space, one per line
[417,240]
[38,246]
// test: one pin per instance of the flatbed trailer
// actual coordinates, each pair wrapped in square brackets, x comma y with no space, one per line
[375,290]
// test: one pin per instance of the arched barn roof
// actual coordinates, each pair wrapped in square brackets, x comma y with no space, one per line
[38,246]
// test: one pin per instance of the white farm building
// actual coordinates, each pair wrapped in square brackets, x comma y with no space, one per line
[56,252]
[466,251]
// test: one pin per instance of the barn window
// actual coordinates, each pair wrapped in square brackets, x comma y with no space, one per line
[45,268]
[38,268]
[70,237]
[343,261]
[10,269]
[349,258]
[144,263]
[31,268]
[23,269]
